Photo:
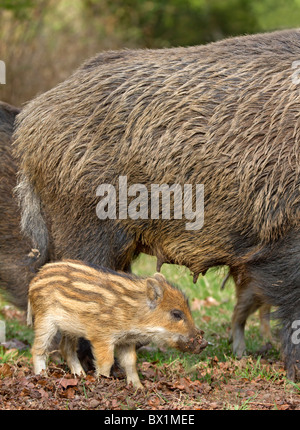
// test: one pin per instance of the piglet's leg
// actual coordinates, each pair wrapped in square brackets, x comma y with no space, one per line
[103,351]
[45,330]
[39,362]
[127,357]
[68,349]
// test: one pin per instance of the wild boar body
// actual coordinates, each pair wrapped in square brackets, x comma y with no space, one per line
[225,115]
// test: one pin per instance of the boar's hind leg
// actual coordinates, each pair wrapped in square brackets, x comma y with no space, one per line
[68,349]
[277,275]
[127,356]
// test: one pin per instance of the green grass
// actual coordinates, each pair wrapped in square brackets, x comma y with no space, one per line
[255,369]
[15,329]
[18,330]
[7,356]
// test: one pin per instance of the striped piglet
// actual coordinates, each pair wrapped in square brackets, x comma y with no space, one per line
[113,310]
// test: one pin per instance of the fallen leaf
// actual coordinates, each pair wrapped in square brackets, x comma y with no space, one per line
[114,403]
[43,393]
[283,407]
[5,370]
[197,304]
[69,393]
[11,313]
[154,401]
[94,403]
[65,382]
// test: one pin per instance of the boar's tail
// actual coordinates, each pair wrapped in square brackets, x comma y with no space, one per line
[33,224]
[29,314]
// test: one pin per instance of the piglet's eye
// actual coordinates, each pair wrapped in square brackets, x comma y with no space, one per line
[177,314]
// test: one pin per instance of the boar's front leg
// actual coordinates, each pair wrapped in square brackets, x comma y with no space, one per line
[264,317]
[127,357]
[246,305]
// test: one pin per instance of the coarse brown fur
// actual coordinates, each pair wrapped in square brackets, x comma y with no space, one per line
[114,311]
[16,256]
[225,115]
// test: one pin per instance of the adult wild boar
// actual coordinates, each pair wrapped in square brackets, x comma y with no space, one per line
[16,255]
[225,115]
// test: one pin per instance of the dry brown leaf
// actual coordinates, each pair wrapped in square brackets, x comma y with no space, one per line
[5,370]
[65,382]
[197,304]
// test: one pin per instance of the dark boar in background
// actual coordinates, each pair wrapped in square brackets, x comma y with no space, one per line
[17,258]
[225,115]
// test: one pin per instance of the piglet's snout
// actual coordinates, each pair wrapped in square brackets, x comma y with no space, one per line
[193,344]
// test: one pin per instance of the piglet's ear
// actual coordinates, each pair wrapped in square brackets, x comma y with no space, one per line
[159,276]
[154,293]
